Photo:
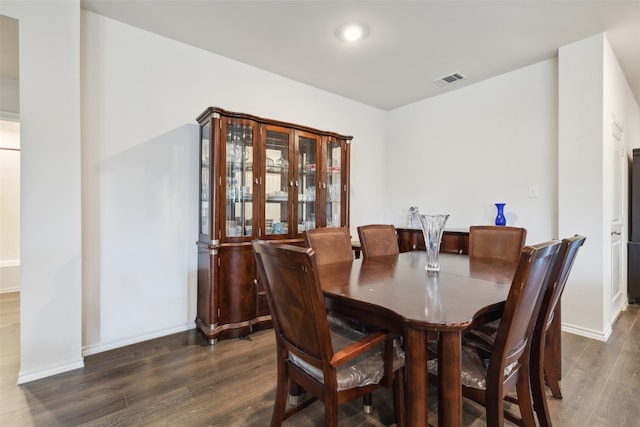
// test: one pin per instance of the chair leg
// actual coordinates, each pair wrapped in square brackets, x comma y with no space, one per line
[296,393]
[495,410]
[523,389]
[539,363]
[331,410]
[538,393]
[282,390]
[551,372]
[367,403]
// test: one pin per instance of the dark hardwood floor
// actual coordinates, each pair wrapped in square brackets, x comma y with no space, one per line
[179,380]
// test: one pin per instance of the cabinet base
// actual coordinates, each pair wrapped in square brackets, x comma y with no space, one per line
[213,333]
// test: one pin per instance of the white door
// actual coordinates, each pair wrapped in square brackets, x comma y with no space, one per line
[618,291]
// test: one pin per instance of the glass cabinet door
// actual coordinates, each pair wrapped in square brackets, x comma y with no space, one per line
[205,185]
[333,180]
[238,175]
[277,181]
[307,180]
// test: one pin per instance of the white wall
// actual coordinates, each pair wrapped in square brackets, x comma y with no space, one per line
[592,92]
[581,181]
[463,151]
[51,323]
[141,94]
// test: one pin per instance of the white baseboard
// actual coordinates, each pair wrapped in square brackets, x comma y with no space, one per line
[9,263]
[588,333]
[99,348]
[10,270]
[25,377]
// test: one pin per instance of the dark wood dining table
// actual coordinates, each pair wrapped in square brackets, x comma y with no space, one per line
[396,293]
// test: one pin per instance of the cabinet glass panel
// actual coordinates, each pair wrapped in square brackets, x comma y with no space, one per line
[277,183]
[307,162]
[334,183]
[239,180]
[205,188]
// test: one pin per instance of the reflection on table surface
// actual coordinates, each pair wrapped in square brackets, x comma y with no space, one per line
[399,283]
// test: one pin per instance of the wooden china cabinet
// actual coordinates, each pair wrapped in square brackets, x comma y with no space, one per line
[259,179]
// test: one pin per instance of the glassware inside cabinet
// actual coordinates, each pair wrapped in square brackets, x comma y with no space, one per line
[334,184]
[307,173]
[277,183]
[205,188]
[239,180]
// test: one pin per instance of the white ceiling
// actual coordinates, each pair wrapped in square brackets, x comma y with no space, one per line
[410,43]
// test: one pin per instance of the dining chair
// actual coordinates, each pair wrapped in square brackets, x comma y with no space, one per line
[378,240]
[489,375]
[544,366]
[543,358]
[335,365]
[496,242]
[330,244]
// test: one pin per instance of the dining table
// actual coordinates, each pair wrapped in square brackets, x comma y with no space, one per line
[397,293]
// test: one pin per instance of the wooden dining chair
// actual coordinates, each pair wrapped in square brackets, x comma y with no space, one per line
[330,244]
[488,375]
[378,240]
[496,242]
[334,365]
[543,359]
[544,363]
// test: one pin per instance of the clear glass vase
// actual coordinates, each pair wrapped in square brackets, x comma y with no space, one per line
[432,228]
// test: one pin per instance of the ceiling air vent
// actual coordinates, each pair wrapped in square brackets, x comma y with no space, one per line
[447,80]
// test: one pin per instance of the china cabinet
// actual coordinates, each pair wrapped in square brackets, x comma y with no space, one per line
[259,179]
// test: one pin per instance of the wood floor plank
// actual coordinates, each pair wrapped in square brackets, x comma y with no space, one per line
[626,369]
[581,392]
[148,412]
[618,406]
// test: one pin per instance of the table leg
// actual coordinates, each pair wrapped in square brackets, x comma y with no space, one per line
[416,377]
[449,382]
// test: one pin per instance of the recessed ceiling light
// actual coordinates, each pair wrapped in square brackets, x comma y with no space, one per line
[352,32]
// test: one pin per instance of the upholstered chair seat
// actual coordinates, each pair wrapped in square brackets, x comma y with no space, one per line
[474,367]
[364,370]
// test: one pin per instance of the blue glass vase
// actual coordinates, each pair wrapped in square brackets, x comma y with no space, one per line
[500,219]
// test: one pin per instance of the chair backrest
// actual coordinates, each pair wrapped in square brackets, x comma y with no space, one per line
[521,308]
[289,275]
[378,240]
[496,242]
[560,274]
[330,244]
